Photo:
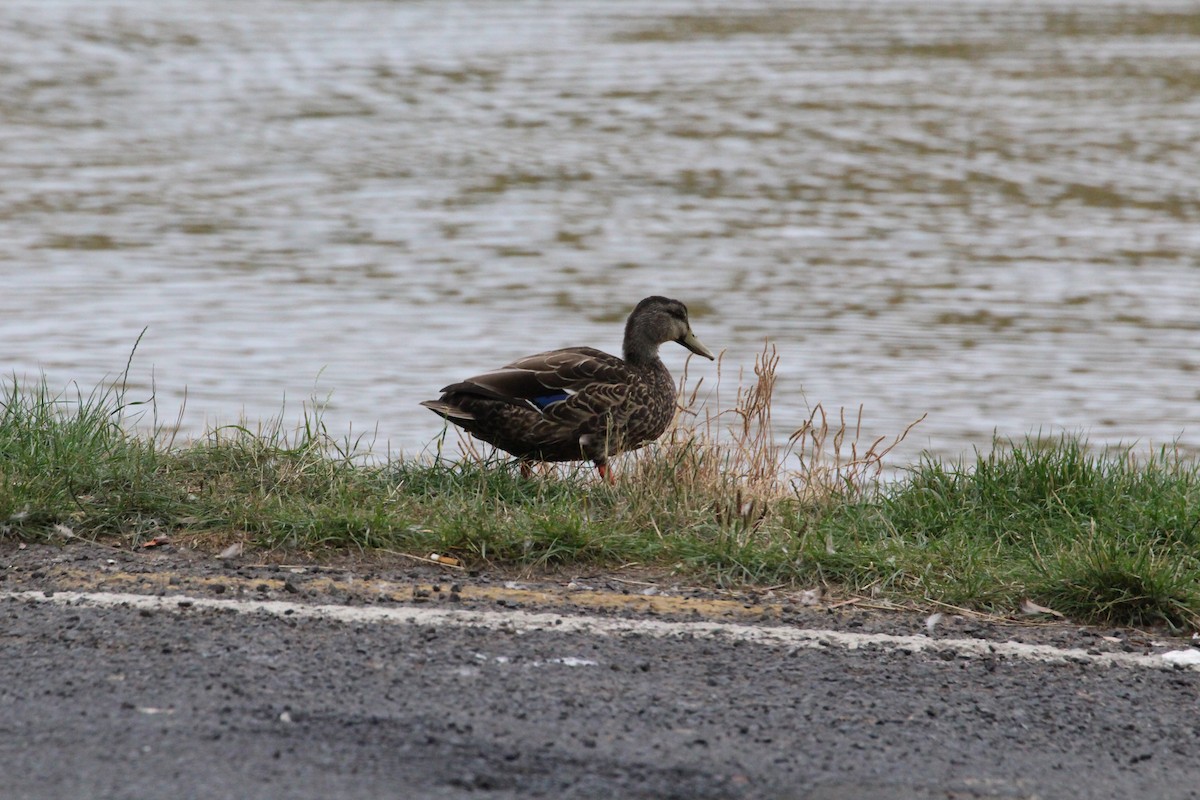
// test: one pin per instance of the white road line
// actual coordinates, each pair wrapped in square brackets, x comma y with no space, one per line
[523,622]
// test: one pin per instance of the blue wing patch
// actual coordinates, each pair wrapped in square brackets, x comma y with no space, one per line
[549,399]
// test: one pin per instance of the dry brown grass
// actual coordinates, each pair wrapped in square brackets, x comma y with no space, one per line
[819,461]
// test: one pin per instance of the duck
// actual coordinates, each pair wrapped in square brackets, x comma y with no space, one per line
[578,403]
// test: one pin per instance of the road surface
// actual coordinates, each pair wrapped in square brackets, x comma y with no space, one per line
[139,675]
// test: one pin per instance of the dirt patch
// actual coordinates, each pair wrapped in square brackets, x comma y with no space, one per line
[393,579]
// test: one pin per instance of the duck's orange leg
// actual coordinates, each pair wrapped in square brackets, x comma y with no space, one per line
[607,474]
[526,469]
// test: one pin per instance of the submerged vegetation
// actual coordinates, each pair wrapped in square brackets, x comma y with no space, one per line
[1108,535]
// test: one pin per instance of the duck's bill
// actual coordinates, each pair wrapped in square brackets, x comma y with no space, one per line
[690,341]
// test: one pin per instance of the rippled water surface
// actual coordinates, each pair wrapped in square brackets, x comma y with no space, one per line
[984,211]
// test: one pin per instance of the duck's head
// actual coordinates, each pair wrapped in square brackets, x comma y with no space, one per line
[655,321]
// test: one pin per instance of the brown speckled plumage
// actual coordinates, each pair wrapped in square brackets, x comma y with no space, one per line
[578,403]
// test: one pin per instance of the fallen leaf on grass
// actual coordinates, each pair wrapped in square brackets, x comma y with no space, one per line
[812,597]
[233,551]
[157,541]
[1032,609]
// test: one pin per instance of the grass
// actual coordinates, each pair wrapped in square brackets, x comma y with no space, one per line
[1099,535]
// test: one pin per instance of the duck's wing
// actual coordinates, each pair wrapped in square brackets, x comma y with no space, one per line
[545,379]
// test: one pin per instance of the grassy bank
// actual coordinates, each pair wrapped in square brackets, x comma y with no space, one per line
[1097,535]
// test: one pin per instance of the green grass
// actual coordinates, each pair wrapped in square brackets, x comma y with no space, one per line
[1099,535]
[1103,536]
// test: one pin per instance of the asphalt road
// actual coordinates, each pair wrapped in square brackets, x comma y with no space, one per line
[185,701]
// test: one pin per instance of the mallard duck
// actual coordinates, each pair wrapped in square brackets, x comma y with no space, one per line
[578,403]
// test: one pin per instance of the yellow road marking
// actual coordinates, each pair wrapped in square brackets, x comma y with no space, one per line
[84,580]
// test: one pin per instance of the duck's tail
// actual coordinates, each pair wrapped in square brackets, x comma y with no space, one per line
[450,412]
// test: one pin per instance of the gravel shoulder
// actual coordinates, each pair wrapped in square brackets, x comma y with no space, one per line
[384,579]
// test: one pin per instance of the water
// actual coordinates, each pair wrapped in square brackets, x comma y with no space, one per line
[985,211]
